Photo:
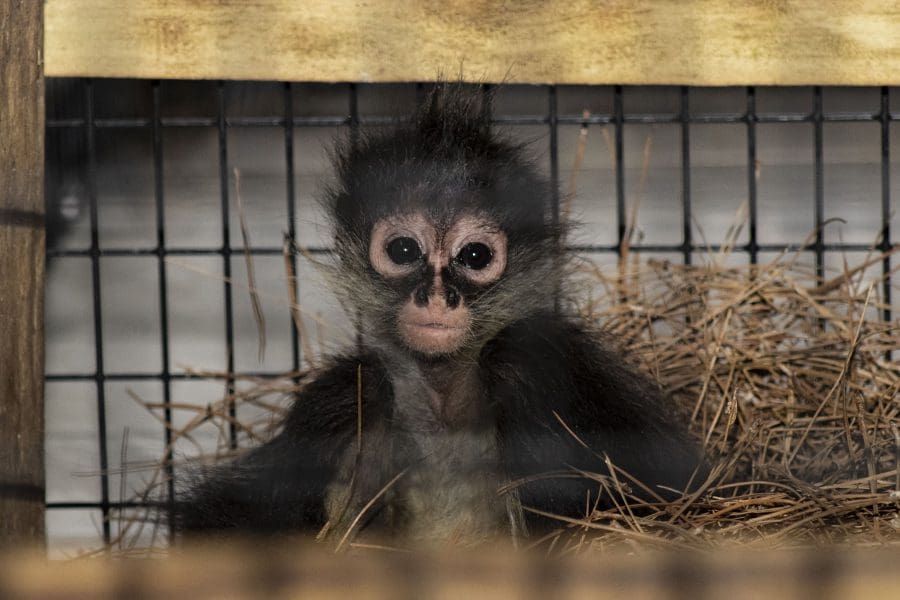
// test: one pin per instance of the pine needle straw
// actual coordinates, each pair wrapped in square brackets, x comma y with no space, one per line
[791,383]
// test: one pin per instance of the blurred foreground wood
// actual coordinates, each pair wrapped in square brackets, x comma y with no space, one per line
[21,272]
[271,570]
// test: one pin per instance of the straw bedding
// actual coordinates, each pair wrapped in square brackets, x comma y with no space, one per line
[788,381]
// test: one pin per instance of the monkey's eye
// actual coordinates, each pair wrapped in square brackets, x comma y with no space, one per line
[404,250]
[475,256]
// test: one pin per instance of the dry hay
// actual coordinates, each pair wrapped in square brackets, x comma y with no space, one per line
[791,387]
[787,379]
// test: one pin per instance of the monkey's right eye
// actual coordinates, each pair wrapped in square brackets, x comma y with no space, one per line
[404,250]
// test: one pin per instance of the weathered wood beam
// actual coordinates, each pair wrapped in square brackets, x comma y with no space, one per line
[21,272]
[274,569]
[695,42]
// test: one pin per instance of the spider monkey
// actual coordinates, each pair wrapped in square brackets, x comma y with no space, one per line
[474,405]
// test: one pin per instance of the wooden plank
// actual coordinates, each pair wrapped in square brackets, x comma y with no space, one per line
[230,570]
[699,42]
[21,272]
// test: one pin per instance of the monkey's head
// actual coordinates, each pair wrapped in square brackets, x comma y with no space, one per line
[443,229]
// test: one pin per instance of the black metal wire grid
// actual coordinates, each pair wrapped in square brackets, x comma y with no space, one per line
[287,121]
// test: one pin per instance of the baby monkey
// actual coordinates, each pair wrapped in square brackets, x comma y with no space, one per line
[474,405]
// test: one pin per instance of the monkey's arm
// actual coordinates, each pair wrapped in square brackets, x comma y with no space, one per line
[558,389]
[280,486]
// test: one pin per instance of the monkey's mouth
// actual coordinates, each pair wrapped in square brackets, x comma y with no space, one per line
[433,329]
[434,325]
[432,337]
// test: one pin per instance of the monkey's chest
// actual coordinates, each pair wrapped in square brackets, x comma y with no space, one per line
[451,491]
[435,488]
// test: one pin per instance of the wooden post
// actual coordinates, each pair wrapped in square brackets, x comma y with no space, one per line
[21,272]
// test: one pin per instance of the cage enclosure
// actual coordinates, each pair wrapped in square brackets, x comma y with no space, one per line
[186,185]
[735,193]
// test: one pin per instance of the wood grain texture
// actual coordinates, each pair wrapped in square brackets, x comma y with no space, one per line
[280,570]
[21,272]
[696,42]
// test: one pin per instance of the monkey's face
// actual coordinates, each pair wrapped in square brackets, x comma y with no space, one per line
[437,271]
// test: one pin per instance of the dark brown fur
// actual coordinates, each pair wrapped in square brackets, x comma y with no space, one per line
[529,391]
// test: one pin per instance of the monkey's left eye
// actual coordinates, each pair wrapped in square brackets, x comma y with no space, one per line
[475,256]
[404,250]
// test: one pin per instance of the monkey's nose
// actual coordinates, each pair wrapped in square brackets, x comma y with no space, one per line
[420,296]
[452,297]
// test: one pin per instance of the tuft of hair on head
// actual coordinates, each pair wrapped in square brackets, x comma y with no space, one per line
[446,152]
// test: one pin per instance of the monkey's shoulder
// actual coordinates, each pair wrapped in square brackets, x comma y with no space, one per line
[562,357]
[550,342]
[330,399]
[561,388]
[544,329]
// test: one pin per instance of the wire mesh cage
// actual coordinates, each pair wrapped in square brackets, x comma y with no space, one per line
[157,190]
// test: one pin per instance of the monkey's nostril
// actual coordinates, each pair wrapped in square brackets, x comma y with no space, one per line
[452,297]
[420,296]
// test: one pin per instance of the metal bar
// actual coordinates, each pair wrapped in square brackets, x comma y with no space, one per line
[886,243]
[200,122]
[291,213]
[258,251]
[819,191]
[595,119]
[554,169]
[752,209]
[157,376]
[619,120]
[97,304]
[165,376]
[226,262]
[113,505]
[686,175]
[831,246]
[353,107]
[554,152]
